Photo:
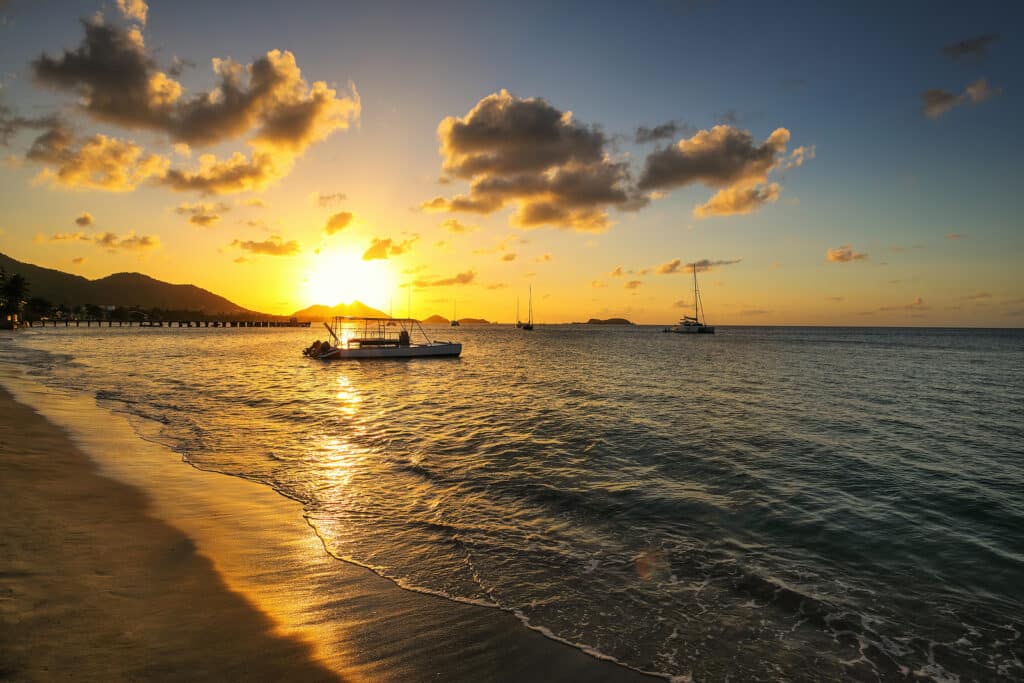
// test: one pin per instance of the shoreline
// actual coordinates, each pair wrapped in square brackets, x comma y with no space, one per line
[327,618]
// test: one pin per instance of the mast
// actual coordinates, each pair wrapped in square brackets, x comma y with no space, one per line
[517,310]
[531,304]
[695,316]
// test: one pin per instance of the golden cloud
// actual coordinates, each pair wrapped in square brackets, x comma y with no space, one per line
[338,222]
[844,254]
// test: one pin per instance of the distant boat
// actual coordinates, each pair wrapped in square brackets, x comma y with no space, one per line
[375,340]
[693,324]
[519,324]
[528,325]
[455,319]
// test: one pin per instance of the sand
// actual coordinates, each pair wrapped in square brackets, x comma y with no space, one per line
[119,562]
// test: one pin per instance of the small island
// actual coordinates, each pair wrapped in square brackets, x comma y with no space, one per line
[441,320]
[607,321]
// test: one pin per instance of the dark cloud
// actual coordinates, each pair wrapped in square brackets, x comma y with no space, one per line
[676,266]
[722,157]
[338,222]
[527,153]
[936,102]
[325,200]
[78,260]
[976,47]
[98,162]
[130,242]
[84,220]
[274,246]
[511,256]
[11,124]
[268,101]
[662,132]
[844,254]
[460,279]
[633,284]
[383,248]
[201,214]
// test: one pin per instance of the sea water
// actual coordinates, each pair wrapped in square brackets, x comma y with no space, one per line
[761,503]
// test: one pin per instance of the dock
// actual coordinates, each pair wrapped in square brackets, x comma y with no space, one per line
[162,323]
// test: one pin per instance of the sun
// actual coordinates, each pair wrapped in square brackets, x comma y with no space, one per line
[343,277]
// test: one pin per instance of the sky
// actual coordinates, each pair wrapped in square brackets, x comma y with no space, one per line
[816,163]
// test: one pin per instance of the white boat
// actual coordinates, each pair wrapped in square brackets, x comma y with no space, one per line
[693,324]
[360,337]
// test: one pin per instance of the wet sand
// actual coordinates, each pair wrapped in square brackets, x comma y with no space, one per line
[119,562]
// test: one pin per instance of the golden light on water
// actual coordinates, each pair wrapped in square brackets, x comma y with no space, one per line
[334,277]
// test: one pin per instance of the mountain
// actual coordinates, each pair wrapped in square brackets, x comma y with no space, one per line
[119,289]
[319,312]
[441,320]
[474,321]
[435,320]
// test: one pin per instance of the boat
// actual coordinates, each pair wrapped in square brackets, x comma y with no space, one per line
[455,319]
[693,324]
[363,337]
[528,325]
[519,324]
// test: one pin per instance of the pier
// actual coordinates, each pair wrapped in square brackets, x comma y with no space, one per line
[162,323]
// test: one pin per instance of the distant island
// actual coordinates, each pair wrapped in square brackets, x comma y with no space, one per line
[321,313]
[607,321]
[441,320]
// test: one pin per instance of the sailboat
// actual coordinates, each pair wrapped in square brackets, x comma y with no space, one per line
[528,325]
[519,323]
[693,324]
[455,319]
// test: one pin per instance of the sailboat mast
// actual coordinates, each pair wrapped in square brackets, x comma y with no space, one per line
[531,304]
[695,316]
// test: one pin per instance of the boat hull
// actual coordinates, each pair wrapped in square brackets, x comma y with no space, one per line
[694,329]
[437,350]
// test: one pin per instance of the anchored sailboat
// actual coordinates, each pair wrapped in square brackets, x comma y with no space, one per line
[697,323]
[528,325]
[455,319]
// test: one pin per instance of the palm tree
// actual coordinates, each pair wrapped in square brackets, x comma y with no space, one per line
[13,293]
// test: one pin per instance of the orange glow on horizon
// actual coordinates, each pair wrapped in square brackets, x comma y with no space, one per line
[334,277]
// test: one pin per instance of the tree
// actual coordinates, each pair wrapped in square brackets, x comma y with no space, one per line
[37,307]
[13,294]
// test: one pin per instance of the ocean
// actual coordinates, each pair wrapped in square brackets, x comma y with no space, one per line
[763,503]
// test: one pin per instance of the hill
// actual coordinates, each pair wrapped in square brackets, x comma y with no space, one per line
[319,312]
[435,320]
[119,289]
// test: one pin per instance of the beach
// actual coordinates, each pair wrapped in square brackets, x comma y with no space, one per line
[205,577]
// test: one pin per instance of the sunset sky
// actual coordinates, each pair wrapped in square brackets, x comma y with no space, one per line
[821,163]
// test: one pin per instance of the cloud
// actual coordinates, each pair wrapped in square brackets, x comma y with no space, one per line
[325,200]
[738,200]
[454,225]
[85,220]
[618,272]
[527,153]
[338,222]
[917,304]
[98,162]
[676,266]
[135,10]
[508,257]
[670,129]
[936,102]
[597,284]
[130,242]
[11,124]
[460,279]
[274,246]
[955,236]
[633,284]
[64,237]
[844,254]
[78,260]
[497,285]
[182,149]
[268,101]
[800,155]
[724,157]
[383,248]
[544,258]
[976,47]
[255,202]
[203,215]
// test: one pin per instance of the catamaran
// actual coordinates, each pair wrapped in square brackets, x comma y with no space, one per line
[361,337]
[528,325]
[693,324]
